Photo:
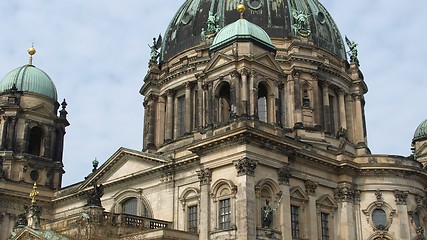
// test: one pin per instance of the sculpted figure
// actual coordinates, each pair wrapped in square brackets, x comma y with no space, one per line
[157,43]
[353,50]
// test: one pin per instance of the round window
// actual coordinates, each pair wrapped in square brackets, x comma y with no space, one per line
[321,18]
[379,218]
[34,175]
[254,4]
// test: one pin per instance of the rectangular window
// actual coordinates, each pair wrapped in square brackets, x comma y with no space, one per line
[324,221]
[295,221]
[192,218]
[181,116]
[224,214]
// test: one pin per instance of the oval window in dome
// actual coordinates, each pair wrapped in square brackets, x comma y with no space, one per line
[254,4]
[321,17]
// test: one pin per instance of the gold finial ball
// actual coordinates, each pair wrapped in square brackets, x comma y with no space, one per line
[31,51]
[241,8]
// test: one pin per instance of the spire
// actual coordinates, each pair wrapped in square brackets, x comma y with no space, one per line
[31,51]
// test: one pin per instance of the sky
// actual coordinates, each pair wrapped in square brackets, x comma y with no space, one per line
[97,54]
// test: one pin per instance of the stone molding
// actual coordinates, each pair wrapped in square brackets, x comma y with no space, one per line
[246,166]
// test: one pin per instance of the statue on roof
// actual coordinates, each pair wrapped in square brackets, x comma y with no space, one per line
[157,43]
[212,22]
[301,26]
[95,195]
[352,45]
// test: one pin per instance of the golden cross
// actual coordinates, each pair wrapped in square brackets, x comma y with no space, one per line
[34,193]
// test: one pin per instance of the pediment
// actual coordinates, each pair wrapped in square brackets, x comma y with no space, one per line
[218,61]
[298,194]
[25,233]
[122,164]
[326,201]
[41,109]
[266,60]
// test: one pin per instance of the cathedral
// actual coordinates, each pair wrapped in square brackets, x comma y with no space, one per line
[254,128]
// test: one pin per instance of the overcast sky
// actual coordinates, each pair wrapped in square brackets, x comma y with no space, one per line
[96,53]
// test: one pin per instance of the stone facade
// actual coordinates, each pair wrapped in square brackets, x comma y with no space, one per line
[244,142]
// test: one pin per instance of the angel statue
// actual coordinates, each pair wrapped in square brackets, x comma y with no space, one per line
[155,48]
[212,23]
[301,26]
[353,51]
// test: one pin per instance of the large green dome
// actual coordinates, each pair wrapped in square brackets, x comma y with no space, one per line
[28,78]
[241,29]
[421,131]
[277,18]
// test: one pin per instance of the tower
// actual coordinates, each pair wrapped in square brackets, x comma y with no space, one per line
[32,136]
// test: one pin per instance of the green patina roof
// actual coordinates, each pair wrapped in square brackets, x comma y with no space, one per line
[421,131]
[241,29]
[28,78]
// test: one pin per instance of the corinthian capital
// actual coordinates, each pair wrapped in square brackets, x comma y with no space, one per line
[245,166]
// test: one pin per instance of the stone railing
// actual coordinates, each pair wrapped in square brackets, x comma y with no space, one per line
[127,220]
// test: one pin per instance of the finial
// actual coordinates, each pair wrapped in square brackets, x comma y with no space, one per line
[34,193]
[31,51]
[95,165]
[241,9]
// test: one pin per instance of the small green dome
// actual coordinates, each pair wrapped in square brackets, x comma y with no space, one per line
[241,29]
[28,78]
[421,132]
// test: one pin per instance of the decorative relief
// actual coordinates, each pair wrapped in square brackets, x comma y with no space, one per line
[310,187]
[344,194]
[401,197]
[420,234]
[284,174]
[378,195]
[246,166]
[205,176]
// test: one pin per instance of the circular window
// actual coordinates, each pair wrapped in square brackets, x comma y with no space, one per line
[321,18]
[254,4]
[34,175]
[186,18]
[379,218]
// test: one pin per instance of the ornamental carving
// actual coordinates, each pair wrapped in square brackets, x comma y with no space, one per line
[420,233]
[284,174]
[205,176]
[310,187]
[344,194]
[246,166]
[378,195]
[401,197]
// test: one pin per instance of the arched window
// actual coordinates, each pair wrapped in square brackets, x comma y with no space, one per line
[224,104]
[35,141]
[130,206]
[262,103]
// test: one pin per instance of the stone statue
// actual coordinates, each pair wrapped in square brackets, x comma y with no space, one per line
[212,23]
[157,43]
[94,198]
[267,216]
[353,51]
[203,34]
[33,216]
[301,26]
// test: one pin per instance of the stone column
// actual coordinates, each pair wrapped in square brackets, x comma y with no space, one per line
[297,98]
[310,188]
[284,102]
[4,132]
[150,106]
[205,176]
[244,106]
[359,131]
[235,91]
[344,195]
[245,199]
[11,133]
[252,95]
[284,174]
[169,115]
[200,107]
[350,117]
[317,99]
[211,109]
[160,121]
[343,117]
[326,110]
[402,212]
[188,109]
[358,216]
